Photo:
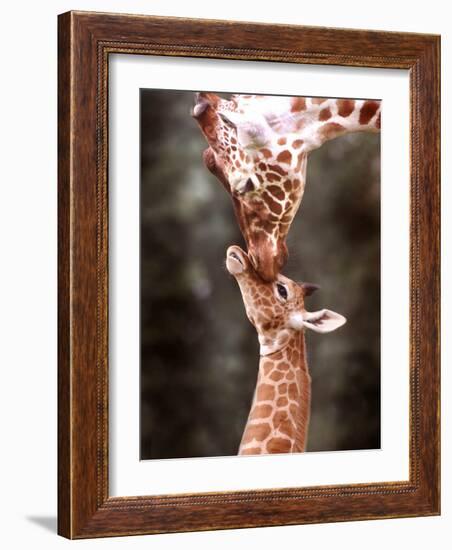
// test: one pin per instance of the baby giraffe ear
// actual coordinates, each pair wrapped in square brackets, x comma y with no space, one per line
[323,320]
[309,288]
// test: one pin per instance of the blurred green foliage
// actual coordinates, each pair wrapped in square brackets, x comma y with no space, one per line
[199,353]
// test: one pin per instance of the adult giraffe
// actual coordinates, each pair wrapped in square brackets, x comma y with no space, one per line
[258,148]
[279,417]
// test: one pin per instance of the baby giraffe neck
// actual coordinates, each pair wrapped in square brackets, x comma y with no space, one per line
[279,416]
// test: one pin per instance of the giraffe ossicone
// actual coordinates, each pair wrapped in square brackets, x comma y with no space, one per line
[258,148]
[279,416]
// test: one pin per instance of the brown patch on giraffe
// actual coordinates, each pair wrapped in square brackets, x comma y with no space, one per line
[290,375]
[237,164]
[345,107]
[259,432]
[318,100]
[276,192]
[261,411]
[282,422]
[283,366]
[293,409]
[330,129]
[273,177]
[267,153]
[282,388]
[277,169]
[282,141]
[278,445]
[278,417]
[282,401]
[251,451]
[241,154]
[272,204]
[295,357]
[297,143]
[297,104]
[276,376]
[293,391]
[284,156]
[301,123]
[265,392]
[368,110]
[262,166]
[325,114]
[267,366]
[293,196]
[266,292]
[287,186]
[260,178]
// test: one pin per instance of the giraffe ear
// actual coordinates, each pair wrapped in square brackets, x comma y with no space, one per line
[309,288]
[323,321]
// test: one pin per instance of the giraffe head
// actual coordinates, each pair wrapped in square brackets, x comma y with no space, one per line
[277,309]
[262,170]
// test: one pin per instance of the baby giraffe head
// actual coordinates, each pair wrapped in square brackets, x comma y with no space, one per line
[263,173]
[277,309]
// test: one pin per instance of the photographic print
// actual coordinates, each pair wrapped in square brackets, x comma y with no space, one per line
[248,285]
[259,274]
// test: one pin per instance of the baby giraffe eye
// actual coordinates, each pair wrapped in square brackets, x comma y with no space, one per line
[282,290]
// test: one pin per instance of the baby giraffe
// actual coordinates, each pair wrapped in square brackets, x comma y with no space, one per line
[279,417]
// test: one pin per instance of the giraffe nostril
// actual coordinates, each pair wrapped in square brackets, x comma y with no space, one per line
[236,257]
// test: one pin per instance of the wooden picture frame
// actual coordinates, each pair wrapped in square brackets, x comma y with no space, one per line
[85,42]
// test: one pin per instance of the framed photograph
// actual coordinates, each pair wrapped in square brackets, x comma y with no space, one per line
[248,275]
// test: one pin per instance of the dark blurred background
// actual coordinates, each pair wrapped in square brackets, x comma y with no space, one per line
[199,353]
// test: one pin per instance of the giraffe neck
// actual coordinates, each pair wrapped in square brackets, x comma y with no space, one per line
[319,119]
[272,183]
[266,212]
[280,169]
[279,416]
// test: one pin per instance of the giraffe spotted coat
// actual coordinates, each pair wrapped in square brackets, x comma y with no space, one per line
[258,149]
[279,417]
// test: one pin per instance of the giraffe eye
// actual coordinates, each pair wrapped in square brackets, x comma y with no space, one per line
[226,120]
[282,290]
[249,186]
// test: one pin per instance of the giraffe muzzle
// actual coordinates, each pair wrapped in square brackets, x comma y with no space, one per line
[203,100]
[199,108]
[235,262]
